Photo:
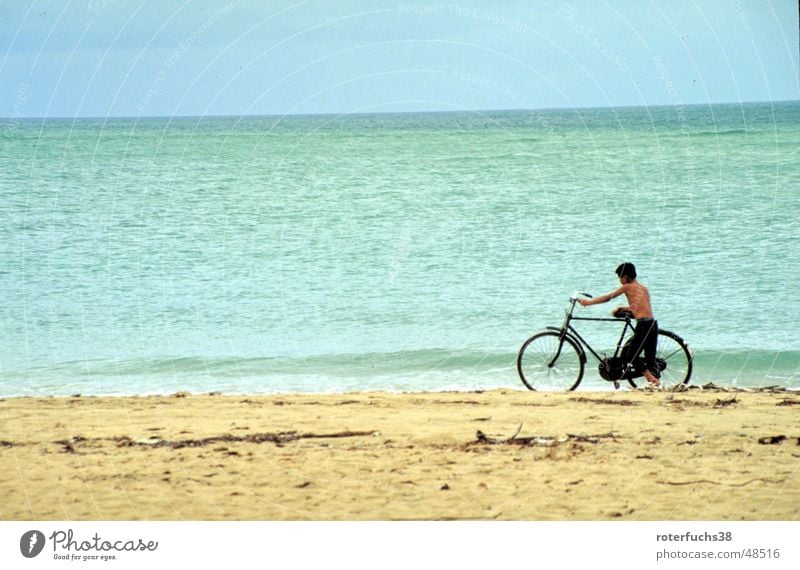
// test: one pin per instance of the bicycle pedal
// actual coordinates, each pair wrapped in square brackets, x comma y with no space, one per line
[616,385]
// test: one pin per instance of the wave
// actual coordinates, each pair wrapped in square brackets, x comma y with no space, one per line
[336,364]
[750,363]
[410,370]
[729,132]
[437,359]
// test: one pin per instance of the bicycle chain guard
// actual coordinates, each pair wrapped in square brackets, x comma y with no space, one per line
[614,369]
[611,369]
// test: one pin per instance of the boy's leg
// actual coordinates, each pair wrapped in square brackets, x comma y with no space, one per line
[651,372]
[631,349]
[651,378]
[645,337]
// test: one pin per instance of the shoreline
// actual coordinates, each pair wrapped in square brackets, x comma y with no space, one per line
[704,453]
[405,371]
[605,388]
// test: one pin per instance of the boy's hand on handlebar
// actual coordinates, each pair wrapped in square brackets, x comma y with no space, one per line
[584,302]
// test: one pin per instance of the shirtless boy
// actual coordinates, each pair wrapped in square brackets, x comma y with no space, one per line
[645,335]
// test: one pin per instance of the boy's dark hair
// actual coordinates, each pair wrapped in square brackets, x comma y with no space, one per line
[626,270]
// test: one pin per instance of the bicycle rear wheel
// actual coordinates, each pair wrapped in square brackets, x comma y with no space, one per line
[674,360]
[538,367]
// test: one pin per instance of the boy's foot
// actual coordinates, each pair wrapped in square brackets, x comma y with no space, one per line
[652,379]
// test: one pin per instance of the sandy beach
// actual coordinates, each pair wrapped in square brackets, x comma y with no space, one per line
[701,454]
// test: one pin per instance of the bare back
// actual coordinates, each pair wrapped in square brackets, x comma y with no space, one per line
[638,300]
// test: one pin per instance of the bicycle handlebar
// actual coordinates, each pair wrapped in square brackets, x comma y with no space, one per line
[574,296]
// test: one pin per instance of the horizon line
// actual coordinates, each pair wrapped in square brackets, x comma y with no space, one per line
[344,113]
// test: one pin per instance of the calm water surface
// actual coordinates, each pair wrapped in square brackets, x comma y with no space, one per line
[388,252]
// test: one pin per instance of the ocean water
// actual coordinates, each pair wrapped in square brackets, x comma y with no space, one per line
[388,252]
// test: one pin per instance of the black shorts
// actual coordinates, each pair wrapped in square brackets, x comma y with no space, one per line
[644,339]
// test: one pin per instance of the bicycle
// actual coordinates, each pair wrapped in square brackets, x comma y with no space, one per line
[556,357]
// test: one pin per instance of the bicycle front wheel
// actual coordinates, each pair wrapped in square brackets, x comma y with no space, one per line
[545,362]
[673,359]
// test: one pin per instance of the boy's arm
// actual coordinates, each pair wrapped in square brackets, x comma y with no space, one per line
[602,298]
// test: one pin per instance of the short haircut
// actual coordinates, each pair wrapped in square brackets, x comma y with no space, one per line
[626,270]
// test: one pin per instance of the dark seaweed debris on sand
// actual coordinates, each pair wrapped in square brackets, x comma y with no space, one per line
[775,439]
[607,401]
[279,439]
[711,387]
[276,438]
[540,440]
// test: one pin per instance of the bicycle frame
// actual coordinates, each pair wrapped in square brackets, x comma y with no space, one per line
[568,329]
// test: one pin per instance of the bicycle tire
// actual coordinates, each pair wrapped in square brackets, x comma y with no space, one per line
[536,354]
[673,353]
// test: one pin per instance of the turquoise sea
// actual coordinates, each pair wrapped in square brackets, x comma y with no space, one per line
[388,252]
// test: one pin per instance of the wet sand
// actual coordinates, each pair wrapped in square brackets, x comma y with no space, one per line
[503,454]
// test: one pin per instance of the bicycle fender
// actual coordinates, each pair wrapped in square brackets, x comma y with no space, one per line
[674,335]
[577,343]
[680,339]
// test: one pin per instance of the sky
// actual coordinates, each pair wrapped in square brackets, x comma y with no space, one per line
[108,58]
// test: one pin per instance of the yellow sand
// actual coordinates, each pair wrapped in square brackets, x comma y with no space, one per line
[577,456]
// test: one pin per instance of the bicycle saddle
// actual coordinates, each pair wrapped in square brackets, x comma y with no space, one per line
[621,313]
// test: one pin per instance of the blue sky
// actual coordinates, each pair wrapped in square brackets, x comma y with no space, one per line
[104,58]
